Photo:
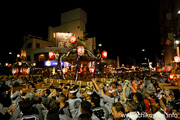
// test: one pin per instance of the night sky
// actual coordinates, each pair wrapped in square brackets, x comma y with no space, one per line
[123,27]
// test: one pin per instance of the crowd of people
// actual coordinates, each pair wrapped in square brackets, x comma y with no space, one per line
[134,96]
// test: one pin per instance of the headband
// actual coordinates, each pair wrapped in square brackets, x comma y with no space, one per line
[73,91]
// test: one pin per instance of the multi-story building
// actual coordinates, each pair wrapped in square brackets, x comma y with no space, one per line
[169,19]
[72,23]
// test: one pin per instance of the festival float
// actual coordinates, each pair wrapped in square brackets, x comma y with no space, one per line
[82,64]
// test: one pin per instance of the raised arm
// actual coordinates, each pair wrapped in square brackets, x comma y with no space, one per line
[124,93]
[95,84]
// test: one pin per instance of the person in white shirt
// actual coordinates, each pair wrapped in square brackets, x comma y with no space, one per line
[132,108]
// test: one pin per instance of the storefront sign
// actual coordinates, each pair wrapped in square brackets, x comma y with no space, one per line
[54,63]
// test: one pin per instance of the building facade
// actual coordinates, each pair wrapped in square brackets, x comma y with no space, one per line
[169,20]
[36,50]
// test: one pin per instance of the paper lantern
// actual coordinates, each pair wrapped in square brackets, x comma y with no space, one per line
[73,39]
[104,54]
[177,59]
[34,64]
[80,50]
[164,69]
[7,64]
[51,55]
[20,63]
[18,55]
[91,70]
[171,76]
[168,68]
[64,70]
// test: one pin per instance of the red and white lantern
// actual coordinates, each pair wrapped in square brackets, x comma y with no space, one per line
[80,50]
[171,76]
[51,55]
[7,64]
[104,54]
[91,70]
[168,68]
[64,70]
[164,69]
[34,64]
[73,39]
[20,63]
[177,59]
[18,55]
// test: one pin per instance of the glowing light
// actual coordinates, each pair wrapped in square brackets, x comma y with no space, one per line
[80,50]
[7,64]
[18,55]
[51,54]
[73,39]
[171,76]
[177,42]
[176,58]
[104,54]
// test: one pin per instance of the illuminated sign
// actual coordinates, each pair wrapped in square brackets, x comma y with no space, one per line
[55,64]
[63,40]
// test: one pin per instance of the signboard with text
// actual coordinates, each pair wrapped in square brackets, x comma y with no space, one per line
[55,63]
[63,40]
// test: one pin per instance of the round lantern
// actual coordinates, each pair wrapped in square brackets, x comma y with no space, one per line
[91,70]
[73,39]
[7,64]
[51,55]
[20,63]
[168,68]
[177,59]
[64,70]
[171,76]
[34,64]
[104,54]
[80,50]
[18,55]
[164,69]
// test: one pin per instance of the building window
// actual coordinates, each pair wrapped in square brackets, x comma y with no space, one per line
[29,45]
[28,58]
[37,45]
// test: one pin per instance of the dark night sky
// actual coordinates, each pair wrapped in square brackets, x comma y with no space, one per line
[123,27]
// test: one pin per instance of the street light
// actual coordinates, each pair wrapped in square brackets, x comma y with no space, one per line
[10,53]
[177,42]
[100,45]
[178,11]
[143,50]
